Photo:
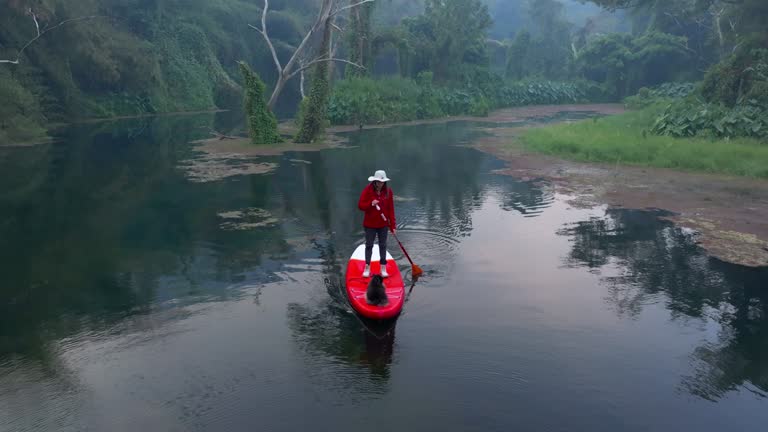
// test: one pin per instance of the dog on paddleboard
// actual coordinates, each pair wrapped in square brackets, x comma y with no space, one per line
[376,293]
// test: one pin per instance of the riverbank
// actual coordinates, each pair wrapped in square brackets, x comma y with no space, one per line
[509,115]
[137,116]
[728,213]
[625,140]
[225,156]
[41,139]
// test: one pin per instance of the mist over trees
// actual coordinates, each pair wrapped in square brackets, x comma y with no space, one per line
[394,59]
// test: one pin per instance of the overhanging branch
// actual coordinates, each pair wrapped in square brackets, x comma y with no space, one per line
[323,59]
[263,32]
[338,11]
[43,32]
[37,24]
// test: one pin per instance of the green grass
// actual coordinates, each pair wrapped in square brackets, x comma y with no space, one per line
[621,139]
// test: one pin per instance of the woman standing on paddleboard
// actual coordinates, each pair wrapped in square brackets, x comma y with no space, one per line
[377,202]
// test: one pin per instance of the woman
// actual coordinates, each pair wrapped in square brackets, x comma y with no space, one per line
[378,204]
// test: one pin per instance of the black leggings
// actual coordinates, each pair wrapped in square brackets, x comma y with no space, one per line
[370,235]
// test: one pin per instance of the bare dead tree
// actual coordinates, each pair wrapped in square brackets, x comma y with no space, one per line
[303,60]
[333,46]
[674,17]
[40,33]
[716,17]
[301,84]
[328,10]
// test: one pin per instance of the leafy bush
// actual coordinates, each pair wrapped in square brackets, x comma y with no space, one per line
[647,96]
[367,101]
[623,139]
[547,92]
[428,101]
[741,77]
[672,90]
[137,57]
[732,101]
[691,117]
[625,63]
[460,101]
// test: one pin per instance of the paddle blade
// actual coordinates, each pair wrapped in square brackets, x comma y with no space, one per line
[416,271]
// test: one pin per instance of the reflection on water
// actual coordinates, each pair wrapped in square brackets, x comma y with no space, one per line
[329,332]
[659,263]
[133,298]
[528,198]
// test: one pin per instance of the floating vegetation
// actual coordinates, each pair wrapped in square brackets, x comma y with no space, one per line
[731,246]
[247,219]
[214,167]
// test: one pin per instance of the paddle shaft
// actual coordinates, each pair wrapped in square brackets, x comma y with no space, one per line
[401,247]
[393,233]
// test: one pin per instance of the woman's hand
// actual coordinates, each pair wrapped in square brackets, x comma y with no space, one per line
[374,203]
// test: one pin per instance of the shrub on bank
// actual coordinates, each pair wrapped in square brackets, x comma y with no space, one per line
[692,117]
[666,92]
[731,101]
[374,101]
[626,139]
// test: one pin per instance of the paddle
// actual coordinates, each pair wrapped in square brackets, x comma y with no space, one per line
[416,271]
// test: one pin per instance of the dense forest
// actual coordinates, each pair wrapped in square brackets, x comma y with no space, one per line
[353,62]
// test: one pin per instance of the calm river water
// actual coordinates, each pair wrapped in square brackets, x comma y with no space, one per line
[134,296]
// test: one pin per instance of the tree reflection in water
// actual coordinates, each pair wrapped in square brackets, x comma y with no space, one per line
[661,264]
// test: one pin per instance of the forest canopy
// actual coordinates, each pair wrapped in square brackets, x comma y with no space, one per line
[414,59]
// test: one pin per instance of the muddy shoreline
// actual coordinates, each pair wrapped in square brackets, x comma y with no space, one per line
[729,214]
[509,115]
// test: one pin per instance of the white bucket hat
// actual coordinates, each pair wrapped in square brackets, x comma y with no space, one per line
[379,175]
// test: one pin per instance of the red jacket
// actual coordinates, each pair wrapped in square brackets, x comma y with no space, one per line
[373,217]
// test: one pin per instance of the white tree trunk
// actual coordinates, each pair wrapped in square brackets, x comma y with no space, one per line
[40,34]
[284,73]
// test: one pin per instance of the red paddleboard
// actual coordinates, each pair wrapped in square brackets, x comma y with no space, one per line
[357,285]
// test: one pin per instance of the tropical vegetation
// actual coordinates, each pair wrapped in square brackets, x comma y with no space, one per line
[342,61]
[628,139]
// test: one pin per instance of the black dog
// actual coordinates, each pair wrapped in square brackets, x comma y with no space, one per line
[376,294]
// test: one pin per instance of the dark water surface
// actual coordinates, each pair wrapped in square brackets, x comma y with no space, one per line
[132,298]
